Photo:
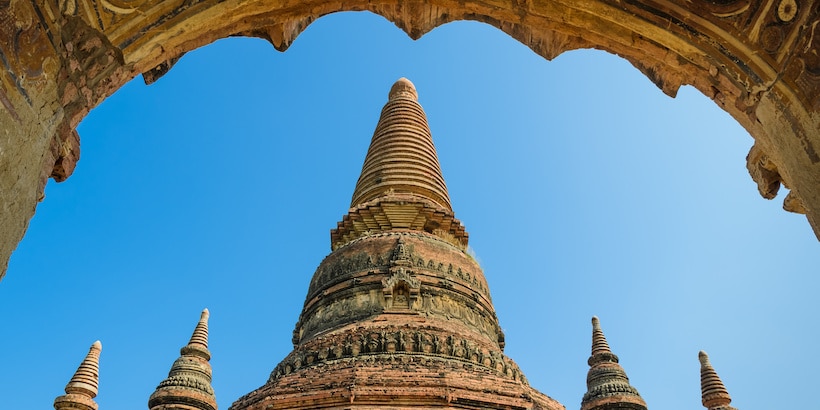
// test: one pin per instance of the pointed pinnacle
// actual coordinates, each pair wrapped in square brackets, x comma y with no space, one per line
[189,381]
[713,391]
[607,383]
[83,386]
[200,335]
[402,157]
[86,378]
[599,343]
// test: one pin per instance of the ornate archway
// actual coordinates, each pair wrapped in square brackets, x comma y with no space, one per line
[758,60]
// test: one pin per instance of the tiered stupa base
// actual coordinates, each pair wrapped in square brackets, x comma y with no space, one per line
[403,365]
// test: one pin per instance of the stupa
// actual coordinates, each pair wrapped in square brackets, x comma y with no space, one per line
[399,315]
[188,385]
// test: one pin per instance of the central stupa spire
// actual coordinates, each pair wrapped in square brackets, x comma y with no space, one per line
[402,157]
[401,186]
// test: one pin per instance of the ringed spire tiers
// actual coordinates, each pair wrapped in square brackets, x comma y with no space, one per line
[82,389]
[713,391]
[401,185]
[188,385]
[608,386]
[402,157]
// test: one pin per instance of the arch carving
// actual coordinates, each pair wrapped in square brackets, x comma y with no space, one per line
[756,59]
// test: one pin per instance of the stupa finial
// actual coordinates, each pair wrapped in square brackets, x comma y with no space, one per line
[713,391]
[188,385]
[83,387]
[401,187]
[200,336]
[403,88]
[607,383]
[599,343]
[402,158]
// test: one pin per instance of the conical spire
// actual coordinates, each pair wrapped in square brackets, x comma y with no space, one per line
[188,385]
[199,339]
[599,344]
[607,384]
[714,393]
[82,388]
[401,186]
[402,157]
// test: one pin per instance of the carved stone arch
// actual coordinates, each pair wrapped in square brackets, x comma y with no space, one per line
[400,290]
[758,60]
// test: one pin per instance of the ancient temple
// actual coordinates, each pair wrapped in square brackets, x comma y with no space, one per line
[398,315]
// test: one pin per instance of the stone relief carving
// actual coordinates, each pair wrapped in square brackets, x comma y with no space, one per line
[779,33]
[401,255]
[338,312]
[27,48]
[189,382]
[329,274]
[374,343]
[404,285]
[805,69]
[776,26]
[400,289]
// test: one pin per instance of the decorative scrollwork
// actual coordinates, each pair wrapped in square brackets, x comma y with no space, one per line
[787,10]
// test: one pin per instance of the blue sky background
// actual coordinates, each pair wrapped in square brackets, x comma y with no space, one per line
[586,191]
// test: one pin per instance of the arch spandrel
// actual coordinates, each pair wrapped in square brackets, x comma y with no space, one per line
[757,59]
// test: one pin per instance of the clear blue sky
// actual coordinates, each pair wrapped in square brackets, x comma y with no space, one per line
[586,191]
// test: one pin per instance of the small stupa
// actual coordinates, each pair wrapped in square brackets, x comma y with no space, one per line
[713,391]
[608,387]
[82,388]
[188,385]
